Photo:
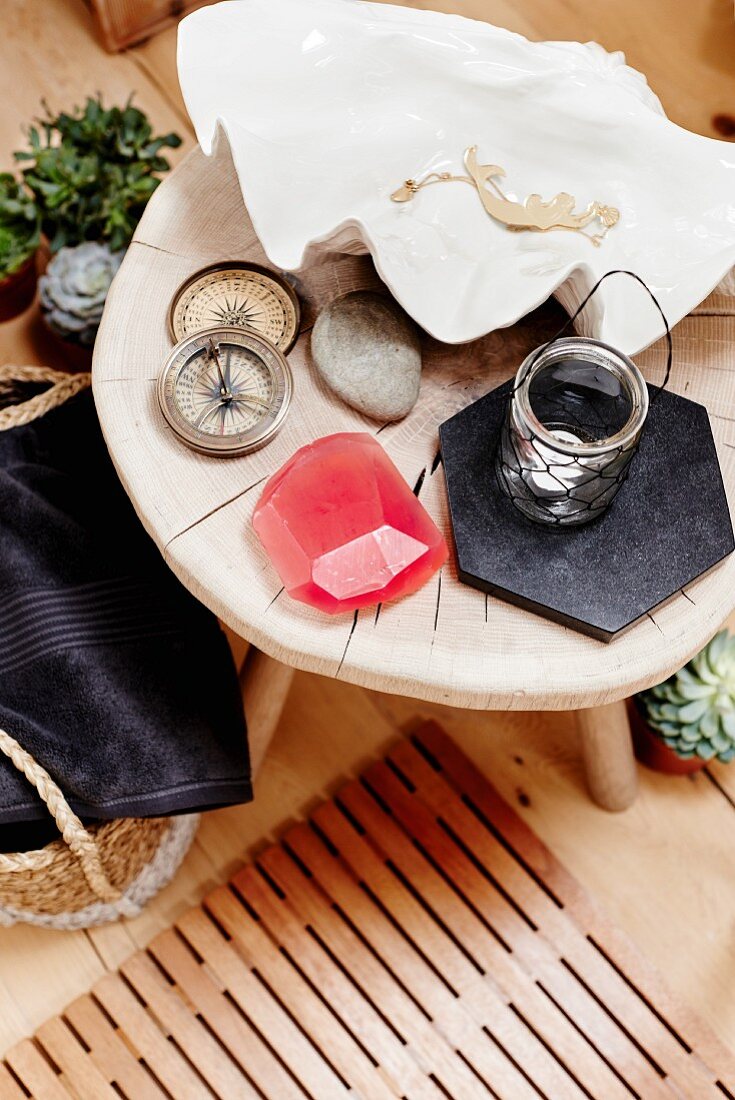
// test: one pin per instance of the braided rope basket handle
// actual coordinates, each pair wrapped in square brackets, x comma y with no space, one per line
[80,842]
[63,386]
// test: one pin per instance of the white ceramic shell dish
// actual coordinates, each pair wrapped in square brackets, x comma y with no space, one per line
[328,105]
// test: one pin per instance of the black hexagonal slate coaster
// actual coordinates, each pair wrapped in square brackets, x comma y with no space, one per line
[669,523]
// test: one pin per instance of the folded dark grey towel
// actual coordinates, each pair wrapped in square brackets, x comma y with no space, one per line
[112,675]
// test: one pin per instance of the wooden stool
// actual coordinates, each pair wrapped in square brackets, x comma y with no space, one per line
[447,643]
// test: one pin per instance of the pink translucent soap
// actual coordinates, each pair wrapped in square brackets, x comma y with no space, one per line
[343,528]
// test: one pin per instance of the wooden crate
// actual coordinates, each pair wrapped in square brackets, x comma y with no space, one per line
[122,23]
[413,939]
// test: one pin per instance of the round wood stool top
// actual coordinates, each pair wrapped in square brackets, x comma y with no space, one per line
[446,643]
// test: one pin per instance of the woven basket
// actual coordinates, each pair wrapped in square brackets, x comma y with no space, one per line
[88,876]
[96,874]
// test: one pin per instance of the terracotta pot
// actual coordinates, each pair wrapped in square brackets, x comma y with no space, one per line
[18,290]
[76,357]
[651,750]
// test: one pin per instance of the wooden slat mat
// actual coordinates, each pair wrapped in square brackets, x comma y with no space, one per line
[414,940]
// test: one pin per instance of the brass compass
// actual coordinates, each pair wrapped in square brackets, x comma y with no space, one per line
[225,390]
[237,294]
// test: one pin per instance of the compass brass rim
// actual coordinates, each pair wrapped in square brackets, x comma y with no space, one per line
[239,265]
[228,447]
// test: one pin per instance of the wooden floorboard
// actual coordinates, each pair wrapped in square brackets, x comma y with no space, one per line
[665,870]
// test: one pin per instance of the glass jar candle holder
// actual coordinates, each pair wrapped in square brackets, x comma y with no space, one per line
[573,423]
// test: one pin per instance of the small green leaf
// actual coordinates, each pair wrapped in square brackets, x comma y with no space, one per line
[669,712]
[721,742]
[710,723]
[682,751]
[670,692]
[699,665]
[693,711]
[727,721]
[20,226]
[695,690]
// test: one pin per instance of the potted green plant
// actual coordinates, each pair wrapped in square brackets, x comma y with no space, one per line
[92,171]
[689,719]
[20,236]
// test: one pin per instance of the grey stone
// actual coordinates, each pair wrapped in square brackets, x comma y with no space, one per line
[367,350]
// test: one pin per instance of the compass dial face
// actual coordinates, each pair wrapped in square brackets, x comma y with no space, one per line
[225,391]
[239,295]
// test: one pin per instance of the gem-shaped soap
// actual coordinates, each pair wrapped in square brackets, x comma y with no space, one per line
[343,528]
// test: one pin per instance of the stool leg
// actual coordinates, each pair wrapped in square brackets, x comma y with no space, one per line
[265,683]
[607,750]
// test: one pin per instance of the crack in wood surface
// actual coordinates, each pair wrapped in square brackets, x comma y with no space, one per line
[438,600]
[419,482]
[213,511]
[719,416]
[271,602]
[347,643]
[650,616]
[164,251]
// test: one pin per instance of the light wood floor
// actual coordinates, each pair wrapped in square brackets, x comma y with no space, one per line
[665,870]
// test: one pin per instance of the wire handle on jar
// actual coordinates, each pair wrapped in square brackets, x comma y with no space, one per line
[570,321]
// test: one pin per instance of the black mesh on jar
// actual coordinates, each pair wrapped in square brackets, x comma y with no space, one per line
[571,429]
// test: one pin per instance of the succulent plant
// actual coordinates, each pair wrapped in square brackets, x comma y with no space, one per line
[694,710]
[74,288]
[20,225]
[92,171]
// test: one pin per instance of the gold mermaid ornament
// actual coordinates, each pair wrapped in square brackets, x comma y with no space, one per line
[534,213]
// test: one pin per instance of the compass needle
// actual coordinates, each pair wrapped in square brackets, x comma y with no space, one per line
[215,355]
[251,397]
